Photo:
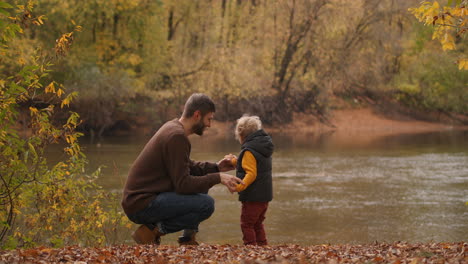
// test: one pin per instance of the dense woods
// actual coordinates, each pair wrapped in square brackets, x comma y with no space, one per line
[102,65]
[136,61]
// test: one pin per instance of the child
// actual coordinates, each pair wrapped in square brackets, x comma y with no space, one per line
[254,168]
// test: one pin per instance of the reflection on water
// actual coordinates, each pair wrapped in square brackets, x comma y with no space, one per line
[331,188]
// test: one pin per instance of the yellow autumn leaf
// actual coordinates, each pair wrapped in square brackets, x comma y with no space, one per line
[463,65]
[429,20]
[438,33]
[60,92]
[65,102]
[50,88]
[33,110]
[456,12]
[448,42]
[68,150]
[40,19]
[448,46]
[70,139]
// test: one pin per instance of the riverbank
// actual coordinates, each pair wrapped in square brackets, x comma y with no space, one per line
[361,126]
[375,253]
[361,120]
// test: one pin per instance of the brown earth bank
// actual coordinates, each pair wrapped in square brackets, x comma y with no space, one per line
[363,120]
[397,252]
[361,126]
[386,118]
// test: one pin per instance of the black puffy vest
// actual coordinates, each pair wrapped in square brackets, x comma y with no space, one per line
[261,146]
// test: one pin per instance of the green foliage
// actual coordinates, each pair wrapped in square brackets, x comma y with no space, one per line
[10,243]
[43,203]
[420,37]
[429,79]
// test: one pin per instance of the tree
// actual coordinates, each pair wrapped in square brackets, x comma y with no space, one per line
[450,23]
[290,57]
[40,201]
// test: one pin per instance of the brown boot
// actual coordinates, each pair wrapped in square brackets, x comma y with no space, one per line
[143,235]
[187,241]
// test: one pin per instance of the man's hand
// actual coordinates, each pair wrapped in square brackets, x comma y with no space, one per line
[230,181]
[228,163]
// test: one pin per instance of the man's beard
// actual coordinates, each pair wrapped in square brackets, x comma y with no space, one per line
[198,128]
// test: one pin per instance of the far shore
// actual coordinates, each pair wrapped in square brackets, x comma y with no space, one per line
[348,126]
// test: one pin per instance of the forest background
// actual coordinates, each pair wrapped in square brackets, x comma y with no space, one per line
[102,66]
[135,61]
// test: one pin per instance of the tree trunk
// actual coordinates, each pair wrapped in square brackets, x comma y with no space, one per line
[170,25]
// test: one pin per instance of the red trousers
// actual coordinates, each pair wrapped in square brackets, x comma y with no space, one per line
[252,216]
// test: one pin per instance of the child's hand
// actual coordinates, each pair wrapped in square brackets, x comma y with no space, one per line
[232,158]
[234,161]
[226,163]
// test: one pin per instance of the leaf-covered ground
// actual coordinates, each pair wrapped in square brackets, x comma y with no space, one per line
[375,253]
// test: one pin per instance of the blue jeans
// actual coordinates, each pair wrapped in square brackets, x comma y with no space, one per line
[172,212]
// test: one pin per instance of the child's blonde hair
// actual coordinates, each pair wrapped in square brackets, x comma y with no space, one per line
[247,125]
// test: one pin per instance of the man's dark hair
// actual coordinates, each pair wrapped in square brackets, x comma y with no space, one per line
[198,101]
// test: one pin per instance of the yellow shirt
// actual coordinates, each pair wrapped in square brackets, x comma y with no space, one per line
[249,164]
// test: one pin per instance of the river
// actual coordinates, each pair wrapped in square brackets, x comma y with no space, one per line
[411,187]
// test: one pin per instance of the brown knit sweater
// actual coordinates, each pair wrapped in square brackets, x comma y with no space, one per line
[164,165]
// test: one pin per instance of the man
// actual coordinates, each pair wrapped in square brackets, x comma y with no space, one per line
[165,190]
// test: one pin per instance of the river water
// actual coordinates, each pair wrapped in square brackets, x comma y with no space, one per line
[356,189]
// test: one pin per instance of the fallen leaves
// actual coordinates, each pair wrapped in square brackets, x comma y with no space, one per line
[376,253]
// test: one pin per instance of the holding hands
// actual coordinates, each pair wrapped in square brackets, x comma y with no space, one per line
[226,164]
[230,181]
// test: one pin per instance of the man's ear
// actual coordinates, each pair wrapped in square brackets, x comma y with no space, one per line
[197,115]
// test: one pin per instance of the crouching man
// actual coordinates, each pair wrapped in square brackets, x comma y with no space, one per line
[165,190]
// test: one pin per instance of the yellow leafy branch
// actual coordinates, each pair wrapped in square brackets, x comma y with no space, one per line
[448,22]
[67,100]
[65,41]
